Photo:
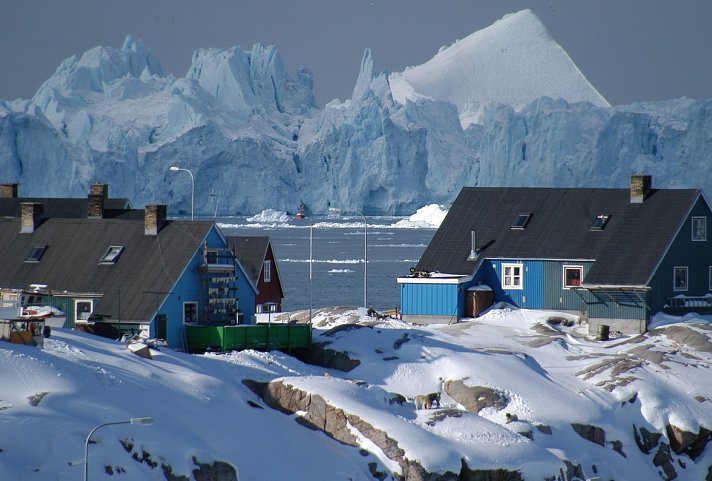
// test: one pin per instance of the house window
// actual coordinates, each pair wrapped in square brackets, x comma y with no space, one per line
[190,312]
[600,222]
[36,253]
[111,255]
[572,276]
[512,276]
[679,278]
[521,221]
[699,228]
[267,269]
[83,309]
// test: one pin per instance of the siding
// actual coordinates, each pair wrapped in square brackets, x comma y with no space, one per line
[432,299]
[531,296]
[555,296]
[696,255]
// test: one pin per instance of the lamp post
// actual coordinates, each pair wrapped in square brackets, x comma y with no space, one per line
[144,421]
[365,259]
[192,182]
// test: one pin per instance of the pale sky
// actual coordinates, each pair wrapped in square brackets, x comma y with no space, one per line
[630,50]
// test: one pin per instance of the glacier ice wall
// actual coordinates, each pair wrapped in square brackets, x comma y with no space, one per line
[254,138]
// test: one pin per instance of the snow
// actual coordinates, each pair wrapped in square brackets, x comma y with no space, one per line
[269,216]
[550,375]
[513,62]
[253,137]
[428,217]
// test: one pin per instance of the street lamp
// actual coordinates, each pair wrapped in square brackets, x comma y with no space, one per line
[365,259]
[192,181]
[147,420]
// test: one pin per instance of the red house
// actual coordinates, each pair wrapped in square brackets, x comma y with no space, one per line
[256,256]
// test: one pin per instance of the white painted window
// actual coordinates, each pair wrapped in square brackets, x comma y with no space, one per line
[267,270]
[190,312]
[699,228]
[83,309]
[573,275]
[512,276]
[679,278]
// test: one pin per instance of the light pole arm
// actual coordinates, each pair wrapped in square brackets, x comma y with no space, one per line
[86,445]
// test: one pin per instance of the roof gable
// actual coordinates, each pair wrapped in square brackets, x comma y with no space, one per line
[559,228]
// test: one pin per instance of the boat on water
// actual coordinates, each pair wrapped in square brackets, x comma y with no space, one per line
[300,212]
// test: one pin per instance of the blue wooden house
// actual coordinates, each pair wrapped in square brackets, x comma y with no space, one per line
[135,271]
[612,256]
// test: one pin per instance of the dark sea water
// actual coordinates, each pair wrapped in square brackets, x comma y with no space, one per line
[337,277]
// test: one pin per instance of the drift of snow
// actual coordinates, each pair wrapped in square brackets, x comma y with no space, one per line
[548,375]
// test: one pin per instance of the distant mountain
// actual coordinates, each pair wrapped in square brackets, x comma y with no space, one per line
[254,138]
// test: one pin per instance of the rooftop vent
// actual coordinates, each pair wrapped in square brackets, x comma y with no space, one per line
[474,251]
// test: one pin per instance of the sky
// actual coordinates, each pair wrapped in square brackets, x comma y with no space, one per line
[636,50]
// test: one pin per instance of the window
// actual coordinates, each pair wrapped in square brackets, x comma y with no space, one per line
[699,228]
[36,253]
[679,278]
[267,269]
[83,309]
[572,276]
[111,255]
[190,312]
[710,278]
[512,276]
[521,221]
[600,222]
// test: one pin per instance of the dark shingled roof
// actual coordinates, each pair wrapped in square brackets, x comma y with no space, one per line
[559,228]
[250,251]
[141,278]
[64,208]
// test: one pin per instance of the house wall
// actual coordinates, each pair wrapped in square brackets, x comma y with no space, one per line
[696,255]
[445,301]
[188,289]
[270,291]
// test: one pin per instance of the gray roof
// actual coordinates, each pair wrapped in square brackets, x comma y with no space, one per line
[559,228]
[132,288]
[63,207]
[251,252]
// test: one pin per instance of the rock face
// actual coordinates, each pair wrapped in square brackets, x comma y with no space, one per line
[686,442]
[475,398]
[592,433]
[320,355]
[335,422]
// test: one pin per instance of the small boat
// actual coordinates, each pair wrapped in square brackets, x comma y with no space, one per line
[300,212]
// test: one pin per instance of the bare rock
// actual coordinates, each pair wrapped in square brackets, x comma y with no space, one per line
[646,440]
[320,355]
[475,398]
[686,442]
[591,433]
[663,458]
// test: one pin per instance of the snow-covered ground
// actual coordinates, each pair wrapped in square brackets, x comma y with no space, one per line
[539,365]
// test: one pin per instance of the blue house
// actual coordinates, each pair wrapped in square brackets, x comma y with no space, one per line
[135,271]
[612,256]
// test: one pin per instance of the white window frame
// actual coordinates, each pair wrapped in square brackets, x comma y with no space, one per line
[195,303]
[267,271]
[76,311]
[512,277]
[694,234]
[686,270]
[563,276]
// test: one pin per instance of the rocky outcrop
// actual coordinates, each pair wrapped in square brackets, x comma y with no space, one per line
[475,398]
[335,422]
[591,433]
[320,355]
[685,442]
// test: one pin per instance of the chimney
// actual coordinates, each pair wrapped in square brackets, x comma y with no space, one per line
[639,188]
[154,218]
[31,216]
[474,251]
[98,193]
[8,191]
